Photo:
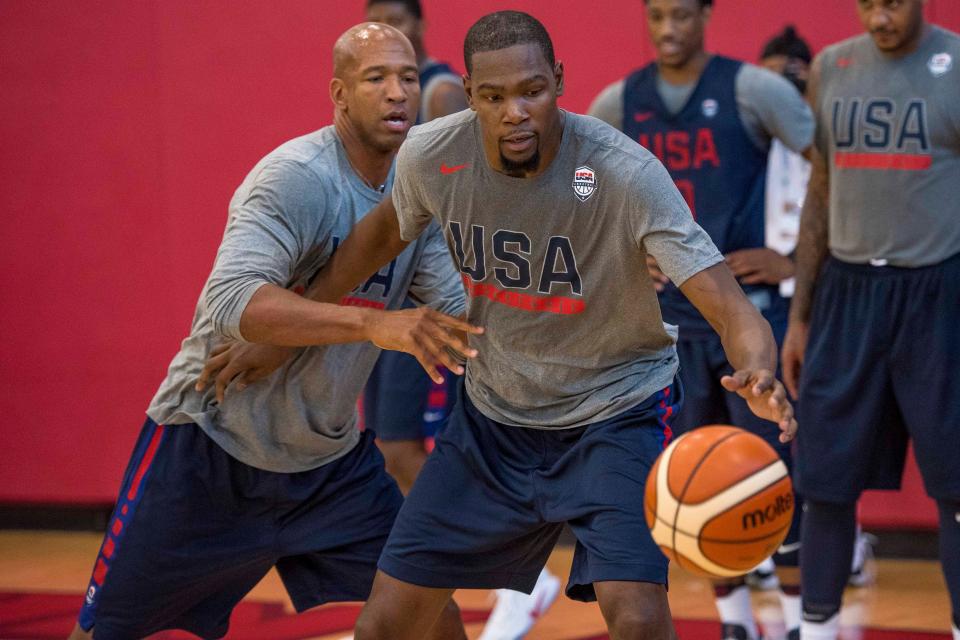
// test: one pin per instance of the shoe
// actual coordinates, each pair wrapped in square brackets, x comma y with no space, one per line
[735,632]
[793,634]
[862,570]
[763,577]
[515,613]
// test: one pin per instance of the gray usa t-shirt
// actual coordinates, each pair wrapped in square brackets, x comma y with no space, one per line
[555,266]
[286,219]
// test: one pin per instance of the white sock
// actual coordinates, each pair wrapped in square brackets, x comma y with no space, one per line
[956,633]
[735,608]
[828,630]
[792,611]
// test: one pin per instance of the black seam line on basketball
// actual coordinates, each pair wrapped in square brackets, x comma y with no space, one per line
[688,534]
[683,493]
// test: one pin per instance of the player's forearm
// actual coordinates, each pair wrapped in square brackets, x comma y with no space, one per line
[812,244]
[280,317]
[746,336]
[372,243]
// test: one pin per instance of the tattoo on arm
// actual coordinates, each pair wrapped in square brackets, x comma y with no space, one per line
[812,244]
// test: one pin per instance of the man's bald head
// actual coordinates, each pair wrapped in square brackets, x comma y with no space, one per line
[358,40]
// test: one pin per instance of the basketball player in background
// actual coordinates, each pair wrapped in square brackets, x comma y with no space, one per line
[549,216]
[873,346]
[787,175]
[711,120]
[217,492]
[395,400]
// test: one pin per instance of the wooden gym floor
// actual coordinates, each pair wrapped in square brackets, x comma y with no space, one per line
[52,569]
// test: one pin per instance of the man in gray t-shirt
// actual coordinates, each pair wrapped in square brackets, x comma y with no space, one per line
[549,217]
[878,292]
[711,120]
[221,489]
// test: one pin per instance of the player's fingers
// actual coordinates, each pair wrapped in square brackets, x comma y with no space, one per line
[455,342]
[763,382]
[736,381]
[213,364]
[429,364]
[226,375]
[456,323]
[788,430]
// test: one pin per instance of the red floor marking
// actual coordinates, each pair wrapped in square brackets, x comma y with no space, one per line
[43,616]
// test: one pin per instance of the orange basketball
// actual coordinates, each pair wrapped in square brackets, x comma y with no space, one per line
[718,501]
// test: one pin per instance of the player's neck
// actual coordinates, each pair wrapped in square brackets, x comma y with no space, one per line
[371,165]
[687,73]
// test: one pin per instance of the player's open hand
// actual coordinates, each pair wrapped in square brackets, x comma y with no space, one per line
[427,335]
[759,266]
[766,398]
[660,279]
[241,363]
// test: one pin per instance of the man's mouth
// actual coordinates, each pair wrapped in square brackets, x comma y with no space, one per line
[519,142]
[397,121]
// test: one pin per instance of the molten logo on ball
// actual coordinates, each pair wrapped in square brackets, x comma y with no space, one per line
[759,517]
[718,500]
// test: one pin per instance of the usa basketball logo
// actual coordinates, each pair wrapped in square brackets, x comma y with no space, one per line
[91,594]
[710,107]
[584,183]
[940,63]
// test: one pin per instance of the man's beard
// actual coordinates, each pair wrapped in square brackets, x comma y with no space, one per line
[522,168]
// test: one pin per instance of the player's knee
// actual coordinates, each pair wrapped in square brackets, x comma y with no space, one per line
[630,623]
[371,626]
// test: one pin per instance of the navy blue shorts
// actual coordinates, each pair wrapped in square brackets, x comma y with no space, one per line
[491,501]
[401,402]
[702,364]
[194,530]
[881,367]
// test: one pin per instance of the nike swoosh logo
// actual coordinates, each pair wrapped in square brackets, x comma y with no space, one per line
[643,117]
[445,170]
[788,548]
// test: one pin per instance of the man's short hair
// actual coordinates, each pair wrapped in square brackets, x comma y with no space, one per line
[504,29]
[412,6]
[787,43]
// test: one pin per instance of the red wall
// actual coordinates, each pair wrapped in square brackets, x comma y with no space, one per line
[125,127]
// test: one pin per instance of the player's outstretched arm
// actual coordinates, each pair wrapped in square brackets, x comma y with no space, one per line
[748,343]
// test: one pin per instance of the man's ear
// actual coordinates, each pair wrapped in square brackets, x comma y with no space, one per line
[338,93]
[558,74]
[468,89]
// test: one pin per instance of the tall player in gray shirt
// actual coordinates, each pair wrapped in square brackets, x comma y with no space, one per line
[219,490]
[549,217]
[878,291]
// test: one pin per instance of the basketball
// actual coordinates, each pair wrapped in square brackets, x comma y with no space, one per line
[718,501]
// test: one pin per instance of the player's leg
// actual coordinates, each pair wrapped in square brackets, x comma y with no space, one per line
[594,484]
[853,433]
[635,610]
[394,401]
[181,495]
[404,611]
[470,521]
[925,357]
